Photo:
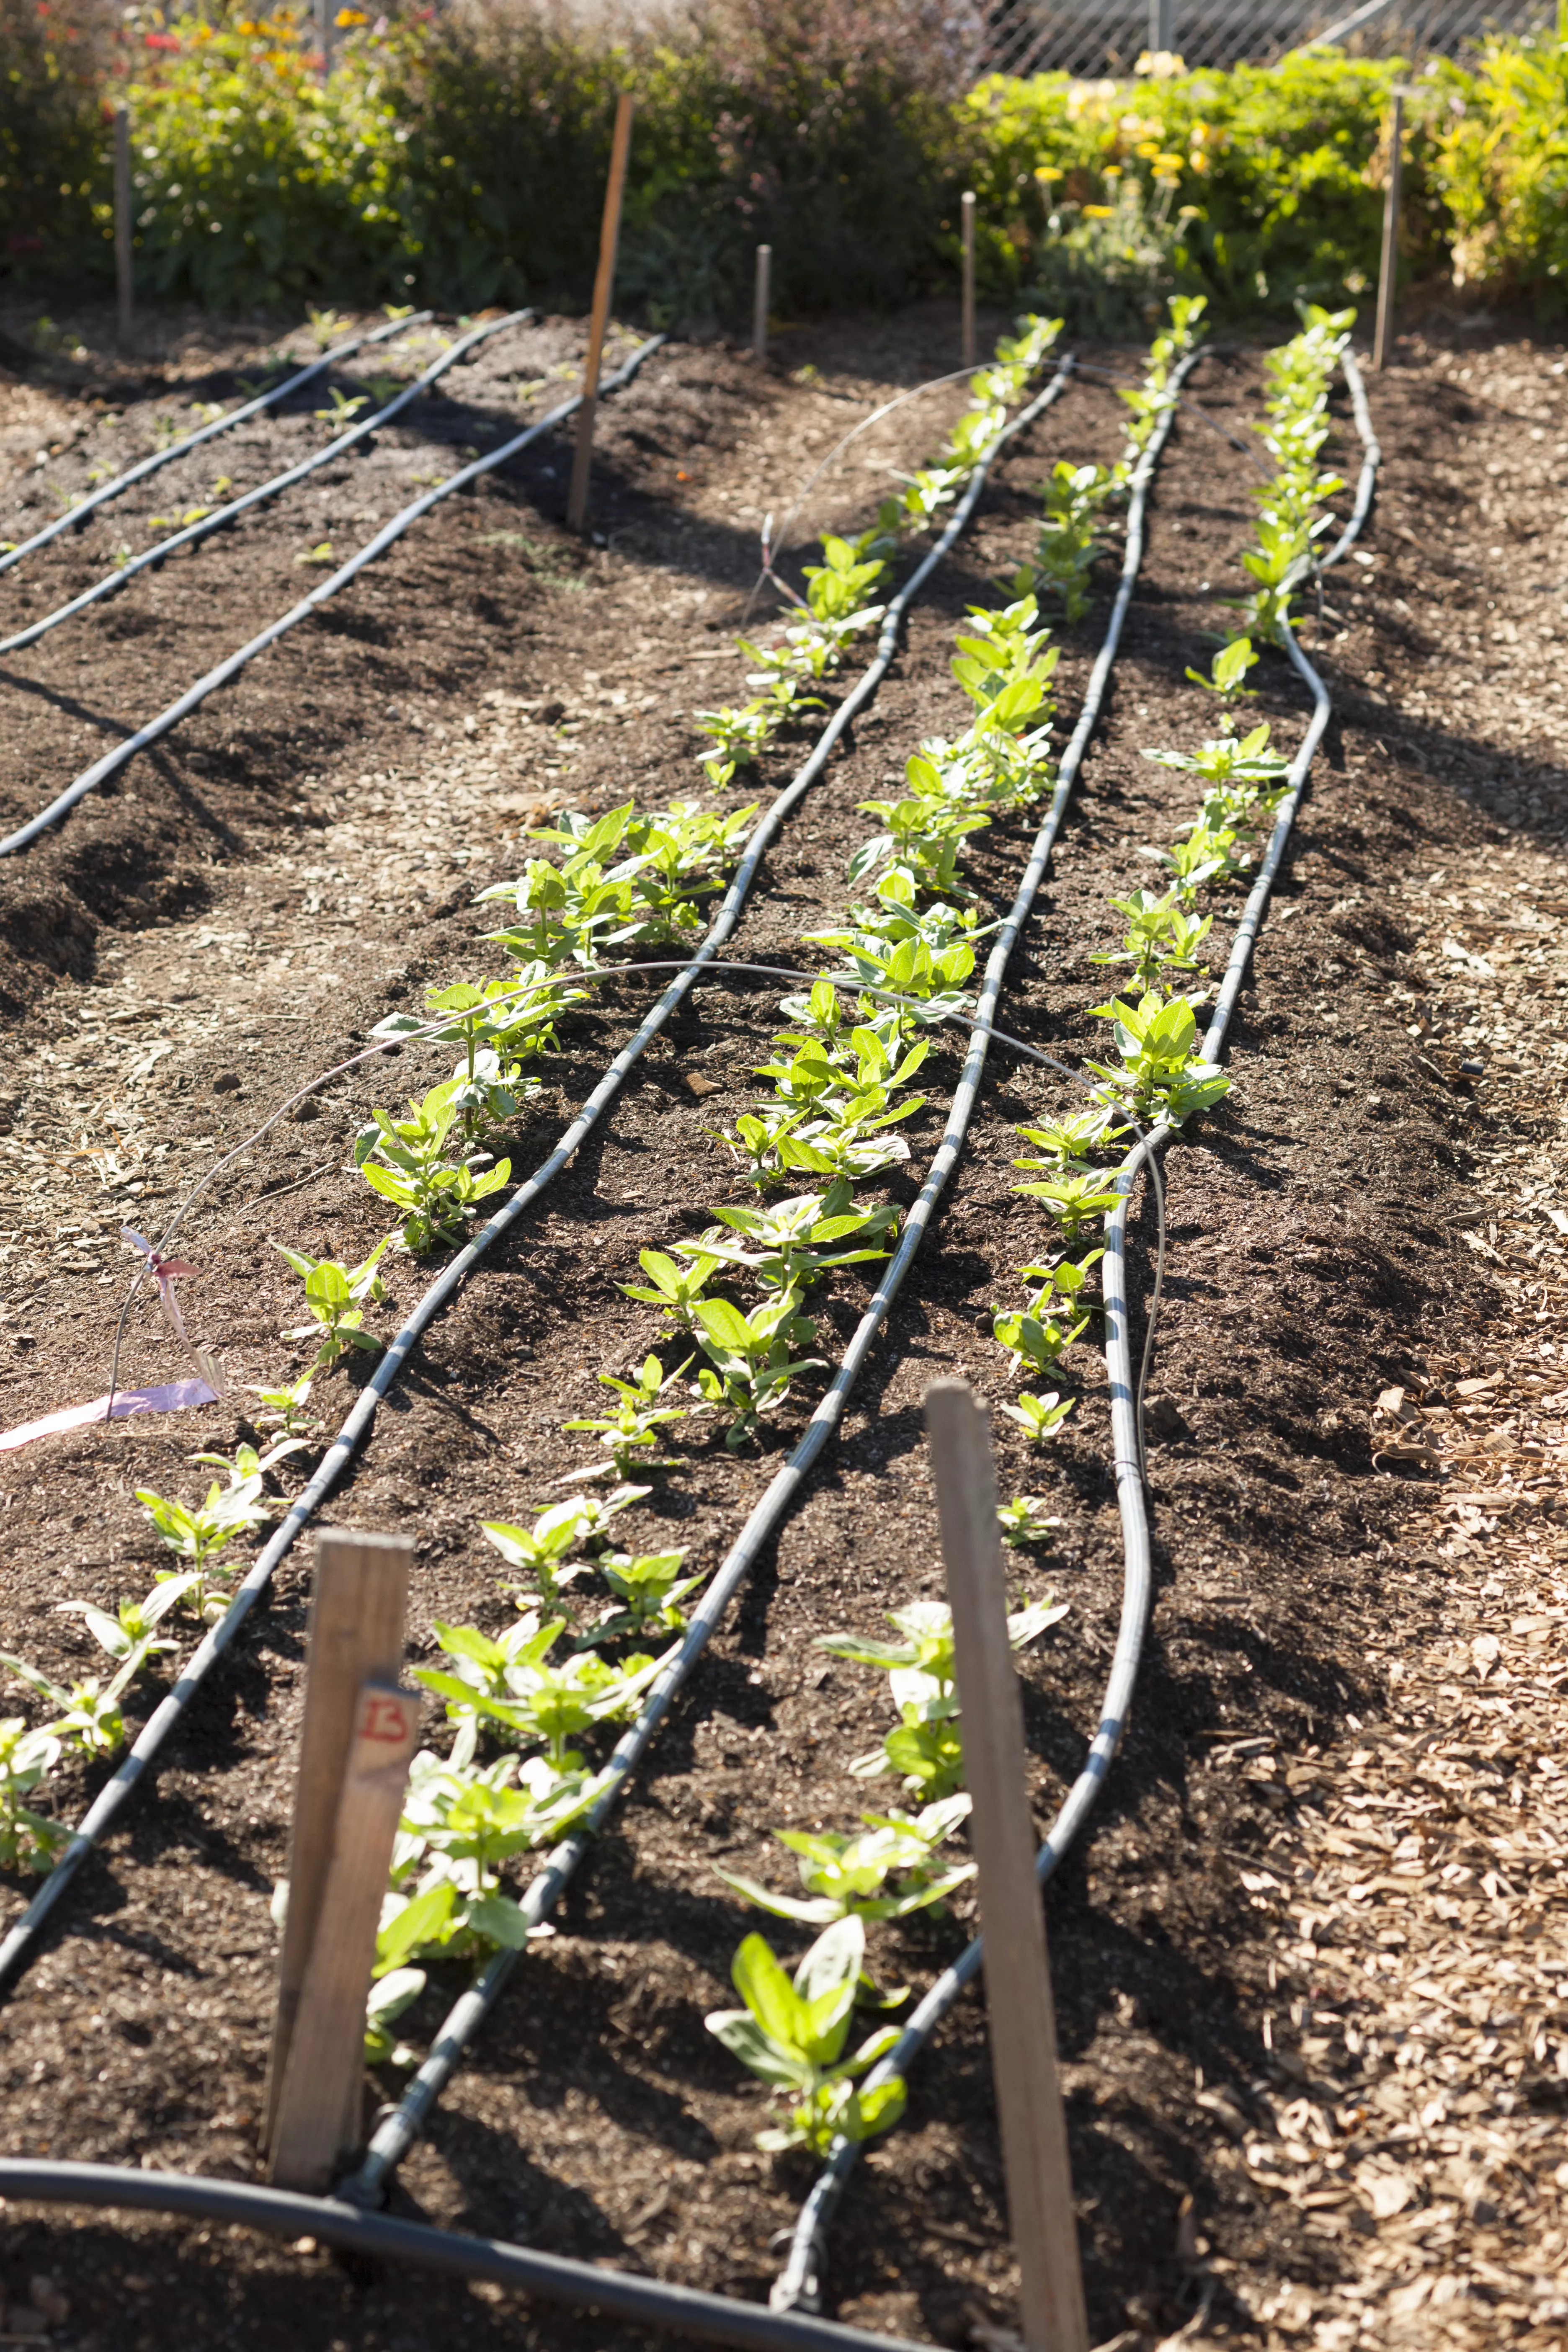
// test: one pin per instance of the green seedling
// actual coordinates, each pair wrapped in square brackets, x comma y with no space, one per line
[565,1528]
[1034,1342]
[650,1588]
[388,1997]
[886,1871]
[551,1706]
[28,1839]
[86,1714]
[133,1631]
[752,1367]
[1071,1143]
[1074,1201]
[335,1297]
[284,1408]
[926,1747]
[500,1029]
[1161,1075]
[677,1289]
[1228,673]
[632,1434]
[1025,1520]
[404,1160]
[788,1242]
[1160,936]
[791,2032]
[327,327]
[1041,1417]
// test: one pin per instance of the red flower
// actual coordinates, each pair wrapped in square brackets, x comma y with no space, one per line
[160,40]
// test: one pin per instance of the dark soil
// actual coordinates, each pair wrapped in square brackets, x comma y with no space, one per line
[296,861]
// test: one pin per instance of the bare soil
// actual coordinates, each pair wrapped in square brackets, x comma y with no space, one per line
[300,857]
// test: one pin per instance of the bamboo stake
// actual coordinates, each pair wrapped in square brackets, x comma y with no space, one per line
[123,225]
[1390,271]
[966,211]
[317,2116]
[760,306]
[357,1613]
[1017,1969]
[604,287]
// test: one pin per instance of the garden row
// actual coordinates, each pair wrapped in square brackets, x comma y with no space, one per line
[840,1091]
[430,165]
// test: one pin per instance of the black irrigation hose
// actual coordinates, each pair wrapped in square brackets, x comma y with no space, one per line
[798,2286]
[396,2133]
[695,2316]
[189,441]
[193,696]
[20,1942]
[221,517]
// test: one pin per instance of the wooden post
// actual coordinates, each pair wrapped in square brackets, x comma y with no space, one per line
[604,287]
[325,27]
[760,305]
[966,210]
[1390,271]
[357,1613]
[1017,1969]
[123,225]
[318,2112]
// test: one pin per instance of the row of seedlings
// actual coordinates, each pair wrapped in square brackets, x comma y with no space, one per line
[434,1163]
[1162,1078]
[623,881]
[916,940]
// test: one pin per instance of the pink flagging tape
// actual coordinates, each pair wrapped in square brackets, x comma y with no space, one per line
[175,1398]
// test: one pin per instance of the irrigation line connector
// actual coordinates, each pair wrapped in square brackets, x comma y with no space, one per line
[219,519]
[798,2286]
[20,1942]
[115,488]
[156,729]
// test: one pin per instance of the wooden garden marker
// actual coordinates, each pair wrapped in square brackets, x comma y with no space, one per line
[316,2120]
[760,306]
[357,1614]
[966,213]
[1017,1969]
[604,286]
[1390,271]
[122,281]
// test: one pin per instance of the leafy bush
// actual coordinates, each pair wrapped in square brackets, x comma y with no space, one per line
[459,156]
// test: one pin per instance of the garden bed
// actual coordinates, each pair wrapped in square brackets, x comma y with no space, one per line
[294,865]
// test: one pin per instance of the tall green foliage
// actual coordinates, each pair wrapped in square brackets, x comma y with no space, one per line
[458,158]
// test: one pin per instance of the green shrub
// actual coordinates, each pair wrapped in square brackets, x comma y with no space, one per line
[458,159]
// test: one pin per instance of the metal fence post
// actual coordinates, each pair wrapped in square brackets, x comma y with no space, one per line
[123,224]
[1390,271]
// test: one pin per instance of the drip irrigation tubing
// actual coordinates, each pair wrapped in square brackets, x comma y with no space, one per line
[123,753]
[21,1941]
[114,488]
[395,2134]
[798,2286]
[221,517]
[692,2314]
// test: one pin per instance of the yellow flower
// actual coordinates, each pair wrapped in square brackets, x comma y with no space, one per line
[1047,173]
[1098,212]
[346,16]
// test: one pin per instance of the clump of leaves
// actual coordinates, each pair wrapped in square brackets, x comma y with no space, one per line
[926,1747]
[336,1297]
[791,2032]
[886,1871]
[406,1161]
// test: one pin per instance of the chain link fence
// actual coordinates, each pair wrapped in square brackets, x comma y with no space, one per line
[1093,38]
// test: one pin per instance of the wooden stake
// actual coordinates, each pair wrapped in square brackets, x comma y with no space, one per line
[604,287]
[357,1613]
[317,2121]
[122,226]
[1017,1970]
[966,213]
[760,306]
[1390,271]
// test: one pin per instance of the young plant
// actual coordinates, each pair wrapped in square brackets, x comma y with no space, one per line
[547,1704]
[1162,1075]
[86,1714]
[752,1366]
[677,1289]
[28,1839]
[650,1588]
[335,1297]
[284,1408]
[1041,1417]
[558,1532]
[632,1434]
[791,2032]
[1161,937]
[404,1160]
[1025,1521]
[885,1871]
[926,1747]
[789,1240]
